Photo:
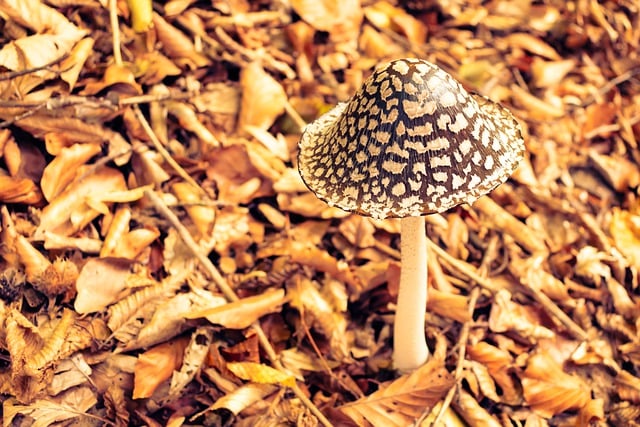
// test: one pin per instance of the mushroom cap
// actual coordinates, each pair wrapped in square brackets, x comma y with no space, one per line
[411,141]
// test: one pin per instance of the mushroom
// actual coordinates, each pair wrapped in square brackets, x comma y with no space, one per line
[409,143]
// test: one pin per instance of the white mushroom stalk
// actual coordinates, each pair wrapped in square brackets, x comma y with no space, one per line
[409,143]
[409,344]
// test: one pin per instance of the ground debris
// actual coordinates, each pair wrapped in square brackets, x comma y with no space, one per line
[163,263]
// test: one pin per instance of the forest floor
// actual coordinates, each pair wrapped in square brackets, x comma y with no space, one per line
[163,263]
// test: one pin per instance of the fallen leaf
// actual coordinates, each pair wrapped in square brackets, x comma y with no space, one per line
[242,313]
[156,365]
[261,374]
[401,401]
[549,390]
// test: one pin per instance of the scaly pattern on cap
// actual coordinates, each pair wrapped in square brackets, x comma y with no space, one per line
[410,142]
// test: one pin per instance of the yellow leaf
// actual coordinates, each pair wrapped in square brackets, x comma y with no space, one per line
[625,230]
[261,374]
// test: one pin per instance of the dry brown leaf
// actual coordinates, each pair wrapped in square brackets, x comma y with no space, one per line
[115,402]
[203,216]
[549,390]
[154,67]
[73,64]
[118,227]
[19,190]
[550,73]
[133,245]
[402,401]
[358,231]
[62,170]
[535,107]
[500,364]
[146,165]
[52,346]
[486,384]
[156,365]
[126,316]
[318,259]
[70,372]
[239,399]
[387,17]
[45,412]
[471,411]
[189,120]
[242,313]
[618,171]
[23,160]
[376,44]
[194,358]
[507,315]
[177,45]
[117,78]
[625,230]
[33,261]
[171,317]
[501,219]
[69,213]
[100,283]
[319,313]
[532,44]
[232,170]
[55,36]
[263,98]
[341,19]
[448,305]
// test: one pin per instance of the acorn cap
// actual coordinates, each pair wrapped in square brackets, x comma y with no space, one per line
[410,142]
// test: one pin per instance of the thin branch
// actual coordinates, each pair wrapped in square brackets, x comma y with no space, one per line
[19,73]
[115,31]
[163,152]
[489,256]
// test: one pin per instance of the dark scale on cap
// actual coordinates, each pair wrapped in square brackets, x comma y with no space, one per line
[410,142]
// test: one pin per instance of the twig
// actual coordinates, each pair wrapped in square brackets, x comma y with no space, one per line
[115,31]
[489,256]
[463,267]
[163,152]
[251,55]
[230,295]
[544,300]
[13,74]
[295,116]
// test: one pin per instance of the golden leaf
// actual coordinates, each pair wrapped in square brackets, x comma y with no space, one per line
[261,374]
[625,230]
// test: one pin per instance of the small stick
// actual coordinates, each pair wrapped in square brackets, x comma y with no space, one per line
[489,256]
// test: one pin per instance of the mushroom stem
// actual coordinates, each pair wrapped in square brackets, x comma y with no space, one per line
[409,344]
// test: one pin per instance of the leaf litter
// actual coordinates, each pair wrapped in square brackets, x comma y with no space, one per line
[164,264]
